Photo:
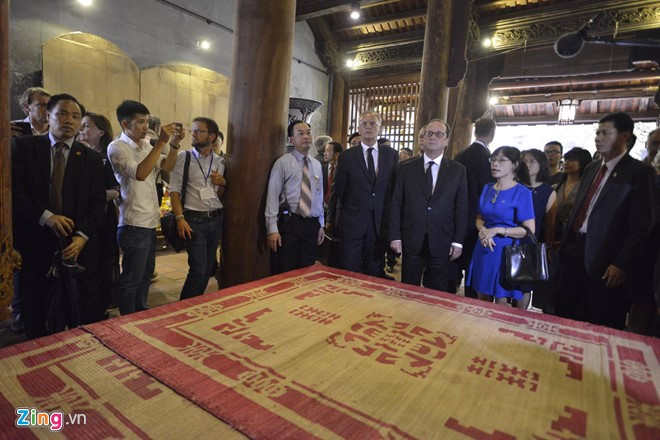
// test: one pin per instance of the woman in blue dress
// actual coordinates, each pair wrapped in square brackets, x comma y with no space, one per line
[503,206]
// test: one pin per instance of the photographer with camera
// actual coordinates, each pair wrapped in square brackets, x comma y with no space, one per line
[136,164]
[294,205]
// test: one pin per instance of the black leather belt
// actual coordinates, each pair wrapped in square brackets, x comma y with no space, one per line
[300,217]
[202,214]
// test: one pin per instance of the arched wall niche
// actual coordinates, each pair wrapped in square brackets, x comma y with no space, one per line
[100,75]
[94,70]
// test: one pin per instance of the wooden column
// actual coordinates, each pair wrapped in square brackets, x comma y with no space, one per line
[9,259]
[258,109]
[434,94]
[460,117]
[338,117]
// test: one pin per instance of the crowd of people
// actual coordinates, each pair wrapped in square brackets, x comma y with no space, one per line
[81,196]
[452,219]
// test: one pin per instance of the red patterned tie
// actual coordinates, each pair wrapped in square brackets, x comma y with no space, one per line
[582,213]
[331,175]
[57,179]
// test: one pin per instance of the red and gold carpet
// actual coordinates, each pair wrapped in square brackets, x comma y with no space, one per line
[325,353]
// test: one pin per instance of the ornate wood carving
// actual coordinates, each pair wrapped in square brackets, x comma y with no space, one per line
[542,30]
[386,56]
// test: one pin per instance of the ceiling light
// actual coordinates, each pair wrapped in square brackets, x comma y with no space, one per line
[355,10]
[487,42]
[493,100]
[350,63]
[85,2]
[567,111]
[204,44]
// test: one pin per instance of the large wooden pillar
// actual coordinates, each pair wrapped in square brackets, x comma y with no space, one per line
[338,107]
[258,109]
[433,92]
[9,259]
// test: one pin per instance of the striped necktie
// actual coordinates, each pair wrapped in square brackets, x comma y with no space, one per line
[305,203]
[57,179]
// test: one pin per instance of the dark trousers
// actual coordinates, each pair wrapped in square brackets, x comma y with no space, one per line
[434,269]
[202,249]
[299,244]
[364,254]
[463,263]
[583,296]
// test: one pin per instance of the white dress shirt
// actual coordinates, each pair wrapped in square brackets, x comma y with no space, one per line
[139,201]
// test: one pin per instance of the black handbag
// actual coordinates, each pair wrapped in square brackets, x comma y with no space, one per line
[526,263]
[168,221]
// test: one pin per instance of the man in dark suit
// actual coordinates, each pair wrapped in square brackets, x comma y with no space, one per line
[611,220]
[363,184]
[476,160]
[58,200]
[429,211]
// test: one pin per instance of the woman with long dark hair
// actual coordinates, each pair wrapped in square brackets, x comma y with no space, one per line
[575,161]
[503,207]
[544,199]
[96,133]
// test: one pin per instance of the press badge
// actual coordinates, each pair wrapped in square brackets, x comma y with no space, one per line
[207,193]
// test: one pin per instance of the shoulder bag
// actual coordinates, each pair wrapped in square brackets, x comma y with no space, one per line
[526,263]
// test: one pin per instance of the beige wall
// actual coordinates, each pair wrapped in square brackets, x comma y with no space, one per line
[100,76]
[181,92]
[92,69]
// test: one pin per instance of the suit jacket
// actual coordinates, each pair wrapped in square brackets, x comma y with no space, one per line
[360,201]
[83,193]
[475,159]
[415,212]
[622,217]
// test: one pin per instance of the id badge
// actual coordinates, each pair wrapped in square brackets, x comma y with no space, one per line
[207,193]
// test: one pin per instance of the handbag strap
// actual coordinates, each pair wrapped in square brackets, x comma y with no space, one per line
[530,235]
[184,185]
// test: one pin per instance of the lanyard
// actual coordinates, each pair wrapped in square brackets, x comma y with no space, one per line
[206,176]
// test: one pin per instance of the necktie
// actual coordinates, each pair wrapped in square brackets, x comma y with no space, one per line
[582,213]
[371,168]
[331,175]
[429,176]
[305,203]
[57,179]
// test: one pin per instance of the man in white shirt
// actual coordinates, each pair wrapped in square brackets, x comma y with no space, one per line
[136,164]
[199,217]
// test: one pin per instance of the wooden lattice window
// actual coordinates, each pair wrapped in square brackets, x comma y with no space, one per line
[397,105]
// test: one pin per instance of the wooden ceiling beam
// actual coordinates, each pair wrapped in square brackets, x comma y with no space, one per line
[382,41]
[383,19]
[580,118]
[586,95]
[308,9]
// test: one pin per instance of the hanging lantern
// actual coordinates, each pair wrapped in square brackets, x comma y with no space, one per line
[567,110]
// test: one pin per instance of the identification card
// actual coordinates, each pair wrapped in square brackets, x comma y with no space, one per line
[207,193]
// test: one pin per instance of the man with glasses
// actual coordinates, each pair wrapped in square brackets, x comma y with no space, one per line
[435,218]
[476,160]
[363,185]
[33,102]
[554,150]
[199,217]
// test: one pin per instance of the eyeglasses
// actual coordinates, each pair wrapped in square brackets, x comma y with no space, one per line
[498,160]
[438,134]
[197,131]
[368,123]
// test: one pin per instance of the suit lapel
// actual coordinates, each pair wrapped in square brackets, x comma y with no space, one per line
[43,154]
[443,169]
[588,177]
[612,179]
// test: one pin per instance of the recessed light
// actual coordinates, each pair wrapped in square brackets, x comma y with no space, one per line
[85,2]
[204,44]
[493,100]
[355,10]
[487,42]
[350,63]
